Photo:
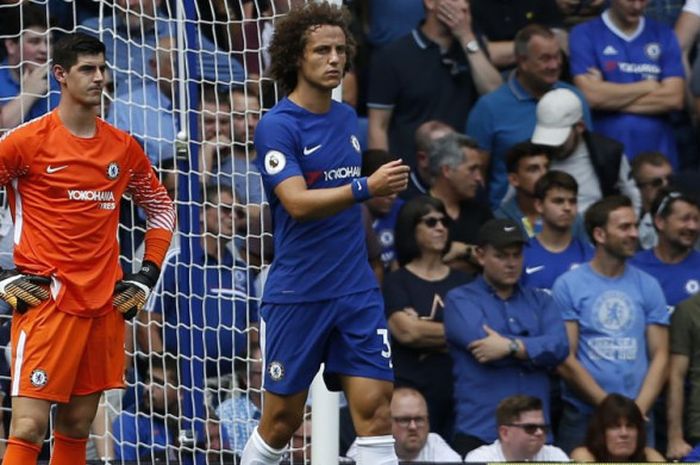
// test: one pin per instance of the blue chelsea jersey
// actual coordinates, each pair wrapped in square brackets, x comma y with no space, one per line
[652,52]
[315,259]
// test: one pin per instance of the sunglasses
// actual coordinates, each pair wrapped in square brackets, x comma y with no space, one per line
[654,182]
[431,222]
[406,421]
[531,428]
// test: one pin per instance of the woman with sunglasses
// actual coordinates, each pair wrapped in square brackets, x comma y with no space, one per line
[413,297]
[616,433]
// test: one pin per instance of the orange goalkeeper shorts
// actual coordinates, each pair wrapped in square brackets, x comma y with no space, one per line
[56,355]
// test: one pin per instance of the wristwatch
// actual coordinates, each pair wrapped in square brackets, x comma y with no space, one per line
[472,46]
[514,347]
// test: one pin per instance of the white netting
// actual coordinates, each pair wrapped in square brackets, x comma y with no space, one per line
[185,82]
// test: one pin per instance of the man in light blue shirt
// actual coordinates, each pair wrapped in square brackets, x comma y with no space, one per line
[616,320]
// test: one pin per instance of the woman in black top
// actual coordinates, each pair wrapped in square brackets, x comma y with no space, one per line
[413,297]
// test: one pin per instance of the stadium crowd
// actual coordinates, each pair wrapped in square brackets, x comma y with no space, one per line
[539,273]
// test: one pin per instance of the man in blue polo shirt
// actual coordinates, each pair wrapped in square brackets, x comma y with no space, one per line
[507,116]
[673,261]
[26,89]
[630,69]
[436,72]
[498,330]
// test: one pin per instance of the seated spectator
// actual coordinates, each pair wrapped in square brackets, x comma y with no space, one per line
[241,413]
[435,73]
[616,433]
[214,129]
[456,170]
[149,430]
[413,297]
[597,162]
[133,33]
[538,71]
[673,261]
[383,211]
[522,432]
[239,169]
[420,179]
[503,338]
[409,425]
[500,22]
[555,250]
[651,172]
[216,298]
[27,89]
[148,111]
[526,163]
[629,67]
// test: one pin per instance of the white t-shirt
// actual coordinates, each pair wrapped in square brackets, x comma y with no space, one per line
[435,450]
[692,6]
[494,453]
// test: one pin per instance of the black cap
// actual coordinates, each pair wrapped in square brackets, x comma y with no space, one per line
[501,232]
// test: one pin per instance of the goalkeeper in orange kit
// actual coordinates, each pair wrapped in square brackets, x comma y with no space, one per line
[66,173]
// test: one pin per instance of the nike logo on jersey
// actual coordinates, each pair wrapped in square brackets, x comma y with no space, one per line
[533,269]
[52,169]
[508,228]
[308,151]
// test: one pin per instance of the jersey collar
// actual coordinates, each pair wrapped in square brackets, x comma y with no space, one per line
[611,25]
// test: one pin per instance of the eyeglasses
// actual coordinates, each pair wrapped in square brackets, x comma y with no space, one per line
[432,221]
[668,198]
[531,428]
[406,421]
[654,182]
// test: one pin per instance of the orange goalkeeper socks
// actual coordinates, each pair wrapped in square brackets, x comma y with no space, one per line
[68,451]
[20,452]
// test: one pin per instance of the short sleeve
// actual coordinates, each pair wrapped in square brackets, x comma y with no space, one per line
[561,294]
[480,124]
[671,61]
[581,50]
[395,296]
[277,150]
[682,327]
[655,309]
[383,89]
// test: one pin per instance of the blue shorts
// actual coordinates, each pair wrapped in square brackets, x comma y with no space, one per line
[348,334]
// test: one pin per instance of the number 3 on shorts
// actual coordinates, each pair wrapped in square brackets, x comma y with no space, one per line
[384,333]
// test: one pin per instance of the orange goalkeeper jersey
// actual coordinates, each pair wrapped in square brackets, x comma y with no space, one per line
[64,194]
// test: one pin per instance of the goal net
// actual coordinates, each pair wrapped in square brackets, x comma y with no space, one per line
[186,79]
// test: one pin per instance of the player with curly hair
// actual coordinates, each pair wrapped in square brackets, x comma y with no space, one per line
[321,302]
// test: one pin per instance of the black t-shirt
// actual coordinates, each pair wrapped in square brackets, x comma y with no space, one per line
[472,214]
[403,289]
[502,19]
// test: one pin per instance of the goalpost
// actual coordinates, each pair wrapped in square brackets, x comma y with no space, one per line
[174,65]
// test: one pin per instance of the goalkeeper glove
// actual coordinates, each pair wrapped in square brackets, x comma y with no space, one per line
[131,293]
[23,291]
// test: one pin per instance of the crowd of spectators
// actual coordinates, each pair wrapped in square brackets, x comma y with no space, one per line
[540,273]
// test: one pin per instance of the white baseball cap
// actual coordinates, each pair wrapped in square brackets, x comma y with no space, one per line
[557,111]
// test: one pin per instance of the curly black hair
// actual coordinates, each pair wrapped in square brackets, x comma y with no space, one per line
[291,35]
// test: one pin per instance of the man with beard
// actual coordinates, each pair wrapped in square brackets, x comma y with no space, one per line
[596,161]
[616,321]
[674,262]
[538,58]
